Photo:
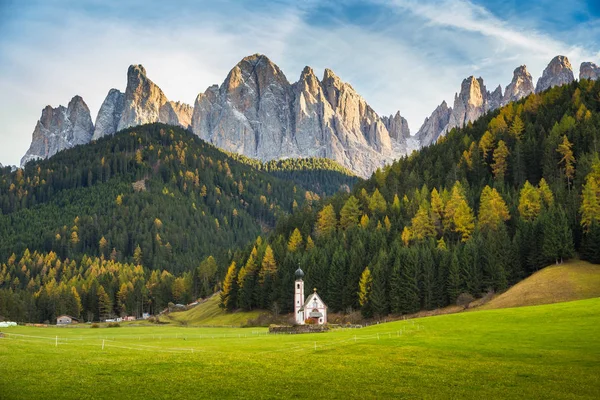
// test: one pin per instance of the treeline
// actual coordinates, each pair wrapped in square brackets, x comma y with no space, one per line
[320,175]
[476,212]
[41,286]
[155,186]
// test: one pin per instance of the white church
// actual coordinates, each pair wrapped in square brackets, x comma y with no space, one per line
[312,309]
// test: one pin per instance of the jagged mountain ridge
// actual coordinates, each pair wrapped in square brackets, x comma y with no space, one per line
[257,112]
[474,100]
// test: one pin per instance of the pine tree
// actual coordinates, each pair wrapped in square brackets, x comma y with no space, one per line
[437,211]
[500,161]
[492,209]
[590,248]
[350,213]
[486,143]
[517,127]
[545,193]
[365,287]
[422,224]
[246,282]
[336,284]
[529,202]
[364,221]
[557,242]
[426,278]
[590,205]
[568,159]
[295,242]
[407,286]
[104,303]
[406,236]
[379,295]
[377,203]
[464,221]
[326,221]
[137,255]
[454,283]
[267,277]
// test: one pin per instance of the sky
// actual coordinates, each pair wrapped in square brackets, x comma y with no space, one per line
[406,55]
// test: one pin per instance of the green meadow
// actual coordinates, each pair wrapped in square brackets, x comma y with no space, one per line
[549,351]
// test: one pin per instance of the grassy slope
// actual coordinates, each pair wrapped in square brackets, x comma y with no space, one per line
[210,314]
[550,351]
[574,280]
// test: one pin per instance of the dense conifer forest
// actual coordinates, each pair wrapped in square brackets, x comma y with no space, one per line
[154,196]
[481,209]
[155,215]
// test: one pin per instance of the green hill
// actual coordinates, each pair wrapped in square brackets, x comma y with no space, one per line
[156,186]
[208,313]
[575,280]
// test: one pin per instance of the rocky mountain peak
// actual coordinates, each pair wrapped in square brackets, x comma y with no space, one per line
[520,86]
[494,99]
[144,102]
[558,72]
[60,128]
[397,126]
[109,115]
[435,124]
[258,113]
[469,104]
[589,70]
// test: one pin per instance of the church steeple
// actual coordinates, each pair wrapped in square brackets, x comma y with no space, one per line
[299,297]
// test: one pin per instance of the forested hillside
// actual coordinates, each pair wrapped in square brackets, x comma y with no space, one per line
[156,187]
[476,212]
[152,196]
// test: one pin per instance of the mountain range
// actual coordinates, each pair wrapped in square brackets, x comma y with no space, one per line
[258,113]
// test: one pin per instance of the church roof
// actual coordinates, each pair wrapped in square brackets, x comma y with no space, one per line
[311,297]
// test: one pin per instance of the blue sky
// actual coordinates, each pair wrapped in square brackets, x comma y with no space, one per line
[405,55]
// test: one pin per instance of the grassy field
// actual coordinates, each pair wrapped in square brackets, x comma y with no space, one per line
[209,313]
[573,280]
[550,351]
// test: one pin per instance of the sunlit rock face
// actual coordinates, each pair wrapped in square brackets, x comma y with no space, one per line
[257,112]
[559,72]
[60,128]
[589,70]
[520,86]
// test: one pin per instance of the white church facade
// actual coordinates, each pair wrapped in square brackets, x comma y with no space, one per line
[310,309]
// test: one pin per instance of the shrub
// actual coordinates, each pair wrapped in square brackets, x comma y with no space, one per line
[464,299]
[113,325]
[95,325]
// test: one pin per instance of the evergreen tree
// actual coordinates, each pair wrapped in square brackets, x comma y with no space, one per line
[454,283]
[336,284]
[500,161]
[350,213]
[104,303]
[492,210]
[295,242]
[568,160]
[407,283]
[326,221]
[365,287]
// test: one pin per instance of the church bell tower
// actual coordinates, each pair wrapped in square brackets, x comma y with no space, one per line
[299,297]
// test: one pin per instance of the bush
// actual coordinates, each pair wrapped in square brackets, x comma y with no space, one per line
[95,325]
[113,325]
[464,299]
